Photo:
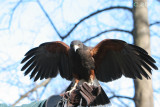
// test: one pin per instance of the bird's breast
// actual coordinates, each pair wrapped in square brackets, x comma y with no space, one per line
[82,63]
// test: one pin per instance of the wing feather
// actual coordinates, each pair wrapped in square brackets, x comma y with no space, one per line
[33,73]
[28,63]
[114,58]
[30,68]
[47,60]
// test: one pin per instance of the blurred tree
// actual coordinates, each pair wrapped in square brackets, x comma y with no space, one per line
[143,88]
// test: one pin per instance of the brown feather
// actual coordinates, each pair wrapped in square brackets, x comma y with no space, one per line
[46,61]
[111,53]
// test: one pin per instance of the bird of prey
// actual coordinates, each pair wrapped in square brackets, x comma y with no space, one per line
[107,61]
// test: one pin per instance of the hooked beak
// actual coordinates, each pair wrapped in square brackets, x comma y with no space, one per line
[75,47]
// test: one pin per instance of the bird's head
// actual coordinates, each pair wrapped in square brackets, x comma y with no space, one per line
[76,44]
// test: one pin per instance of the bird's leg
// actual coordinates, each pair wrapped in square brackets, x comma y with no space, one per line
[92,76]
[74,87]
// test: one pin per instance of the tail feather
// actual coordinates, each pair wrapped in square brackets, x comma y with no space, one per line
[101,99]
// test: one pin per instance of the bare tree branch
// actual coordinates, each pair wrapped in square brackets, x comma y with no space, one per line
[95,13]
[118,96]
[75,26]
[130,32]
[43,91]
[32,90]
[158,22]
[48,17]
[124,104]
[80,21]
[11,15]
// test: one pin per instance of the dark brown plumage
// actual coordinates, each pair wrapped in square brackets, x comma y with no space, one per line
[107,61]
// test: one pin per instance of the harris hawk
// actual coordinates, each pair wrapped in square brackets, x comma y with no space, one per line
[107,61]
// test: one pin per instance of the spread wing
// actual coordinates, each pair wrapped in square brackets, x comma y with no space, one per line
[115,57]
[46,60]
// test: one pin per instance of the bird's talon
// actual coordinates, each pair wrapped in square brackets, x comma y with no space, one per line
[70,91]
[91,83]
